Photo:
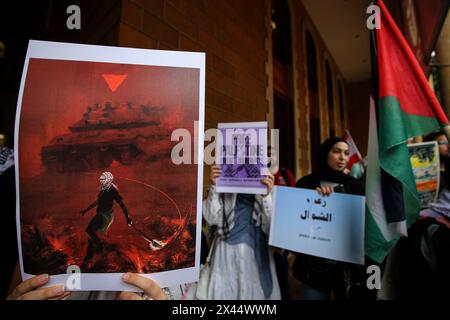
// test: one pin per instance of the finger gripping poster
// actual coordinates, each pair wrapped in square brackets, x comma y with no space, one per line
[98,191]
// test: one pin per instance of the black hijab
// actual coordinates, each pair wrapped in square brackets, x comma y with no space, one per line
[324,170]
[326,173]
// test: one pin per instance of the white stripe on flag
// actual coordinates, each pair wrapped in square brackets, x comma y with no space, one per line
[374,198]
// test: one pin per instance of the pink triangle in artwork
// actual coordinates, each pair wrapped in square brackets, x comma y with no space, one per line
[114,80]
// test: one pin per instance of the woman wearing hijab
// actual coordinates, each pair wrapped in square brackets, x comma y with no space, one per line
[320,277]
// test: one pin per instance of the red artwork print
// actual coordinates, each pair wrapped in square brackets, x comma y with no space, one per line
[81,120]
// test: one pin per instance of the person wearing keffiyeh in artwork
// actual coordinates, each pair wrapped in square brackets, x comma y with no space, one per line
[104,214]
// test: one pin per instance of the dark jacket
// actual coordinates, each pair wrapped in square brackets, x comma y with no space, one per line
[9,252]
[319,273]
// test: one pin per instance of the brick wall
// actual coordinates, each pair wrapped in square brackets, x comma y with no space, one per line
[231,32]
[99,22]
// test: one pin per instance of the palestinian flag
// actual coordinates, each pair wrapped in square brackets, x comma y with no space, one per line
[404,106]
[354,154]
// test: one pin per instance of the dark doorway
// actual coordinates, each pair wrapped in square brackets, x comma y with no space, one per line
[330,99]
[284,113]
[313,97]
[341,106]
[283,83]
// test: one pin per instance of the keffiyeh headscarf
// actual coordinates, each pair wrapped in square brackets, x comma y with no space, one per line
[6,159]
[106,181]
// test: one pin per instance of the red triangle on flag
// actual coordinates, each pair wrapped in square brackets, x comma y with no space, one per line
[114,80]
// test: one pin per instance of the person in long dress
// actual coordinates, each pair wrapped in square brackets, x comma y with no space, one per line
[242,263]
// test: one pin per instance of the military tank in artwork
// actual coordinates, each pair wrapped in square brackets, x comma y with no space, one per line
[122,132]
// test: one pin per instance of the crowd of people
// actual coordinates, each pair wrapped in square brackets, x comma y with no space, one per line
[240,264]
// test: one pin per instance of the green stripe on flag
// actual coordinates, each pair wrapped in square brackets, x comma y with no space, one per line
[396,126]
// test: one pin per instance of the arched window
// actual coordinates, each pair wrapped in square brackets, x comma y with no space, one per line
[283,83]
[313,97]
[341,105]
[311,60]
[281,32]
[330,100]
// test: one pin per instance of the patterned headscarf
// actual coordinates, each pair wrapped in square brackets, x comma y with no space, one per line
[106,181]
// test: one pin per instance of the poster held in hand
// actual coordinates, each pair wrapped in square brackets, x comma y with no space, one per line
[241,151]
[97,190]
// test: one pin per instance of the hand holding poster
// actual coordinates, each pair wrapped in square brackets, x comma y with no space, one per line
[242,155]
[329,227]
[97,190]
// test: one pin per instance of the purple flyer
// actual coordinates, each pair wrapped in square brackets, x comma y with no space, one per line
[242,154]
